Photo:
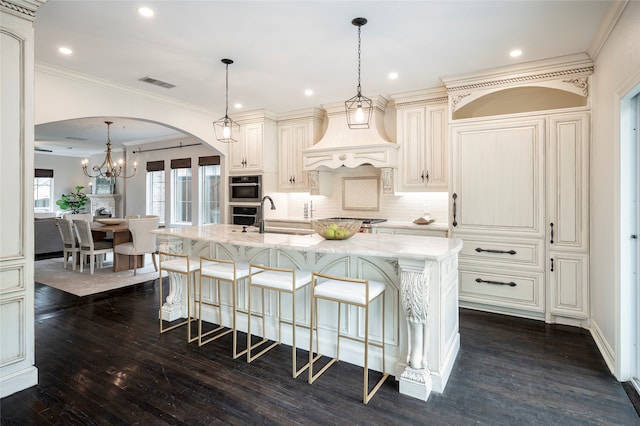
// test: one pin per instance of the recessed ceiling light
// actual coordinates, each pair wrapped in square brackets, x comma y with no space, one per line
[238,105]
[65,50]
[393,75]
[308,92]
[515,53]
[145,11]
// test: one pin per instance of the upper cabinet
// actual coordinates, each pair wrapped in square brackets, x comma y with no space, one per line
[251,154]
[422,136]
[297,131]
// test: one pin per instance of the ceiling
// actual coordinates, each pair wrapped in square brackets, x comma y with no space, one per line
[282,48]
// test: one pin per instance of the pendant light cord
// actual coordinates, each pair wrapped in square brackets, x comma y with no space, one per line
[359,89]
[226,102]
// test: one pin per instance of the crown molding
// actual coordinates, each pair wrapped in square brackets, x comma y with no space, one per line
[25,9]
[436,95]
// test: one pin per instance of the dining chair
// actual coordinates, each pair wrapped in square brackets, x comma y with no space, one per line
[80,216]
[88,247]
[132,216]
[143,241]
[69,243]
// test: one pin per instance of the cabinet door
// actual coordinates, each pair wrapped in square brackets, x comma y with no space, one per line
[568,284]
[413,149]
[568,182]
[253,147]
[498,178]
[285,143]
[423,139]
[301,141]
[237,158]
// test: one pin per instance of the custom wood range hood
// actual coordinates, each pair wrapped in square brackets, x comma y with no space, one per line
[341,146]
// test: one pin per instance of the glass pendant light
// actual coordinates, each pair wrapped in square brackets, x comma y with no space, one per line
[226,129]
[358,108]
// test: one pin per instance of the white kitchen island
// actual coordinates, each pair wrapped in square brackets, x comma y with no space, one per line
[421,309]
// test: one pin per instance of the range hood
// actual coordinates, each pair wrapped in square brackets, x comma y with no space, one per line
[342,146]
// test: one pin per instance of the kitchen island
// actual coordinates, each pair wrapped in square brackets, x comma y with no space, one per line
[420,273]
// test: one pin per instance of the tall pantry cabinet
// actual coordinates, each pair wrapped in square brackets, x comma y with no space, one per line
[519,199]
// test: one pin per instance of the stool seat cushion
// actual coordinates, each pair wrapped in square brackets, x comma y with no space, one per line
[348,292]
[280,280]
[224,270]
[180,265]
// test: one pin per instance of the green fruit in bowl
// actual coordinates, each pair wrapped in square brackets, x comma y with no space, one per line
[347,234]
[329,233]
[333,226]
[339,233]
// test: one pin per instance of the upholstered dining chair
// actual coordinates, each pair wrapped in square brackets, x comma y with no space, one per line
[132,216]
[80,216]
[88,247]
[69,242]
[143,241]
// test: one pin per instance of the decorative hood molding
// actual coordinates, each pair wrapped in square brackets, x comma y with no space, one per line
[341,146]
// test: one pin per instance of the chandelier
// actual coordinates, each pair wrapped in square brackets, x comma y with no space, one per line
[359,107]
[226,129]
[108,168]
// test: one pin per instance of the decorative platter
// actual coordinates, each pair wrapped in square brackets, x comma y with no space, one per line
[111,221]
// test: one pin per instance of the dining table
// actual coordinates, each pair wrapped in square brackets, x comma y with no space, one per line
[121,234]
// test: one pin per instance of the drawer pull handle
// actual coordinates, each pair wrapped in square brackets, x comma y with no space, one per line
[480,250]
[510,284]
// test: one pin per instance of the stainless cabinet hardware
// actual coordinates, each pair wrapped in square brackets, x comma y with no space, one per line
[510,284]
[455,197]
[551,242]
[480,250]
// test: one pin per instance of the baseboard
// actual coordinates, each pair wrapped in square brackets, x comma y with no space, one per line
[606,351]
[18,381]
[633,395]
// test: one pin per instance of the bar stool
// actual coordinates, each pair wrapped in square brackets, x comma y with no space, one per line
[282,280]
[355,292]
[187,266]
[228,271]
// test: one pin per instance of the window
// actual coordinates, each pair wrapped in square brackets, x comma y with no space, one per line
[155,189]
[43,190]
[181,190]
[209,189]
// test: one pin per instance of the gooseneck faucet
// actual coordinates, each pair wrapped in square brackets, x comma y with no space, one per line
[273,207]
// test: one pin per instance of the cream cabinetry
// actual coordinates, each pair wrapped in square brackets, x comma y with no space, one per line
[246,154]
[519,201]
[297,131]
[255,149]
[422,135]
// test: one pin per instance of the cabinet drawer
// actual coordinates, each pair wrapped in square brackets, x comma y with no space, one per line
[516,253]
[517,291]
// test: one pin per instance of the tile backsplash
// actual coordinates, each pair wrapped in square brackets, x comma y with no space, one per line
[402,207]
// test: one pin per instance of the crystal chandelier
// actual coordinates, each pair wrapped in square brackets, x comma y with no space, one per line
[108,168]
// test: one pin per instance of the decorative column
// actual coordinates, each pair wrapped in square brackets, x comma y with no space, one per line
[415,279]
[172,308]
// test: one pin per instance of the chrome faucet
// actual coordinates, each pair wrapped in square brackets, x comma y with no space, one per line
[273,207]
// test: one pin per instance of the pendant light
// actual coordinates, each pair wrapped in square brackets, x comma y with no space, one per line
[226,129]
[108,168]
[359,107]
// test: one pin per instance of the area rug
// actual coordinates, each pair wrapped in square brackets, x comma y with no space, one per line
[52,273]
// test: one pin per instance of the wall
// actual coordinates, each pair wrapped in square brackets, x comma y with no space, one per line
[616,63]
[67,174]
[134,188]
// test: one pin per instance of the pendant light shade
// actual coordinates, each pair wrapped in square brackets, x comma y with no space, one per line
[226,129]
[108,168]
[358,108]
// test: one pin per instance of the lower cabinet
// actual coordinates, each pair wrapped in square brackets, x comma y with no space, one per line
[568,277]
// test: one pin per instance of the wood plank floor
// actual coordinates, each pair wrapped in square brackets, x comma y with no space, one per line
[102,361]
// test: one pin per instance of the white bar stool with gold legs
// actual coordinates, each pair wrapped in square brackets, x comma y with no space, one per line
[182,264]
[355,292]
[228,271]
[282,280]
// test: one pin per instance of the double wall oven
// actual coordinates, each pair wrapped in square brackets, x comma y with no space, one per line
[246,191]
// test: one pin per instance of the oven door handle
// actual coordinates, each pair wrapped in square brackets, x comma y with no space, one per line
[245,184]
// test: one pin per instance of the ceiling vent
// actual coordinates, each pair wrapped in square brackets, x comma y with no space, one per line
[157,82]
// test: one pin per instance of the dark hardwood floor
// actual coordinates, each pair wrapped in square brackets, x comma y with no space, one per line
[102,361]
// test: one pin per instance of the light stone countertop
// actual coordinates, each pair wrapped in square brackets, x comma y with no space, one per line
[436,226]
[376,245]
